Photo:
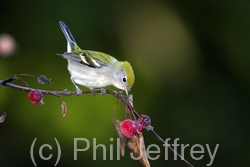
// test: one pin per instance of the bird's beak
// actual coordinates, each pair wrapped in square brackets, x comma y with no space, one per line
[127,91]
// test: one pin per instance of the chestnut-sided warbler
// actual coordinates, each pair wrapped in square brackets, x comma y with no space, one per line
[95,70]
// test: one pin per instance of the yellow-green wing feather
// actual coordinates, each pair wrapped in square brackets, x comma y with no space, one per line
[96,59]
[90,58]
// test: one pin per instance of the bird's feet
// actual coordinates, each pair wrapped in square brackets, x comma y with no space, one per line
[102,91]
[78,91]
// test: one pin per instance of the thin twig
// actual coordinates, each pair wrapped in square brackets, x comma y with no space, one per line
[118,95]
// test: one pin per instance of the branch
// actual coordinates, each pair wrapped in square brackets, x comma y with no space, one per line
[127,102]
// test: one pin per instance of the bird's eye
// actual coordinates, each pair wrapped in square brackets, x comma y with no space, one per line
[124,79]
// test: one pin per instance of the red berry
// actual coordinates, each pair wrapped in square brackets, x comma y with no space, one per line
[129,128]
[36,97]
[139,127]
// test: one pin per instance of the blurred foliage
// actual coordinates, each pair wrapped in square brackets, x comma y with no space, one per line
[191,61]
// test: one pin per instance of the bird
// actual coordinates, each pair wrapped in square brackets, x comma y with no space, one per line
[95,70]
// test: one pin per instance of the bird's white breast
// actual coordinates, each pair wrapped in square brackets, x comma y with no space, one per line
[88,76]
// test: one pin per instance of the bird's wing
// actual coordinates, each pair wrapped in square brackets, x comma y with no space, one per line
[90,58]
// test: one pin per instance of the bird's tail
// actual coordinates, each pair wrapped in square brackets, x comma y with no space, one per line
[71,43]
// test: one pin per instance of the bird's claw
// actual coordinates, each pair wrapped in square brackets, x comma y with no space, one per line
[103,91]
[78,91]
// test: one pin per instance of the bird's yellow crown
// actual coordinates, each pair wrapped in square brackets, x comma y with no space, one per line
[130,73]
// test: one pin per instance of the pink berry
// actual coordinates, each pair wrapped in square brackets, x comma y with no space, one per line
[145,122]
[36,97]
[128,128]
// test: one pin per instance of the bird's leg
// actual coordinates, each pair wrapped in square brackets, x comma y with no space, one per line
[78,90]
[93,90]
[103,91]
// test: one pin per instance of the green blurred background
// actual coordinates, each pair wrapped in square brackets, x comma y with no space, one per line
[191,61]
